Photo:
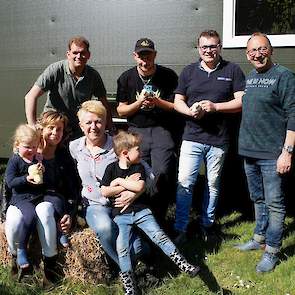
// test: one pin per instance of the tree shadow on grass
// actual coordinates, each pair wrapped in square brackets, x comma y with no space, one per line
[288,251]
[196,251]
[289,228]
[5,290]
[240,218]
[199,248]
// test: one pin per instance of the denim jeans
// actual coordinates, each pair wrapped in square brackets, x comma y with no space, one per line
[144,220]
[266,191]
[46,227]
[12,224]
[99,219]
[192,154]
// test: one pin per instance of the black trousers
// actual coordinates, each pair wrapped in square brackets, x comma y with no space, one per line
[158,150]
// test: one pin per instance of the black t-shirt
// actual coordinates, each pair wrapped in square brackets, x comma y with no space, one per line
[129,85]
[196,84]
[114,171]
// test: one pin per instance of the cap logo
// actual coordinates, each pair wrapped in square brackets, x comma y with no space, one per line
[145,43]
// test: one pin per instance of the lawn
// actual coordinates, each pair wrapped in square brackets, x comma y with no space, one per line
[225,270]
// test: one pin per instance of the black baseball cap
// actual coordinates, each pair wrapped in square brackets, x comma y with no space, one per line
[144,44]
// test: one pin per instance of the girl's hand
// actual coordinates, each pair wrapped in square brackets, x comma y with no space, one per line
[30,179]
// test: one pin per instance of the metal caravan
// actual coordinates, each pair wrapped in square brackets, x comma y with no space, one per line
[35,34]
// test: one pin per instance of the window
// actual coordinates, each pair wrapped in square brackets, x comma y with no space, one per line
[242,18]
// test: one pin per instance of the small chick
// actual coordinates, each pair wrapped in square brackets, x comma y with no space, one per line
[36,172]
[196,108]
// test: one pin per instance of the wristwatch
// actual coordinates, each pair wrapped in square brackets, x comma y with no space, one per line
[288,148]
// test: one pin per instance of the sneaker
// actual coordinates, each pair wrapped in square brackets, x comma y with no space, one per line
[64,241]
[22,259]
[267,262]
[250,245]
[180,237]
[193,271]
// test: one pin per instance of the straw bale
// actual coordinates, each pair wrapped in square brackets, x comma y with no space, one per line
[34,251]
[85,261]
[4,255]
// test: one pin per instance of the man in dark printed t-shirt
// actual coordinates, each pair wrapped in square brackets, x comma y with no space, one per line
[145,97]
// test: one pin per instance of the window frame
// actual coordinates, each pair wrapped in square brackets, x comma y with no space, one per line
[230,40]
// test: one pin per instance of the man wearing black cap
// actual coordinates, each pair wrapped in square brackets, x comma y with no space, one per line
[145,97]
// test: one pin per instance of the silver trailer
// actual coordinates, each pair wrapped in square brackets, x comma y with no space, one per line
[35,33]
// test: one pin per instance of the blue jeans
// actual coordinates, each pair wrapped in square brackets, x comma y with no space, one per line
[46,227]
[192,154]
[144,220]
[99,219]
[266,191]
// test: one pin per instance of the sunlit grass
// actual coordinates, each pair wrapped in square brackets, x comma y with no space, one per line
[225,269]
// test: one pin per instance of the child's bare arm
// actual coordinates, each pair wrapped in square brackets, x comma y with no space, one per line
[125,199]
[111,191]
[136,186]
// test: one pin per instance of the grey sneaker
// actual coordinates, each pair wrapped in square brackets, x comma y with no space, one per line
[267,262]
[250,245]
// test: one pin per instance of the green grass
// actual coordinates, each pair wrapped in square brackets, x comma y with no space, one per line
[225,270]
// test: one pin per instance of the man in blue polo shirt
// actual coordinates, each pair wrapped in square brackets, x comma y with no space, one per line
[69,83]
[206,90]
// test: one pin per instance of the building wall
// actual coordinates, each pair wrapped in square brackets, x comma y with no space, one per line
[35,33]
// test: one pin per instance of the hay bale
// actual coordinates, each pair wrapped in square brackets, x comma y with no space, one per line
[34,249]
[4,255]
[85,261]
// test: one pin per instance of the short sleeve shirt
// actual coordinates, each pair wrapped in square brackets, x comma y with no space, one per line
[129,86]
[91,168]
[66,94]
[196,84]
[114,171]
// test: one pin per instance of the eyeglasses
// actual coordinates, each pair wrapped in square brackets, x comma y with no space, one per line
[211,47]
[263,50]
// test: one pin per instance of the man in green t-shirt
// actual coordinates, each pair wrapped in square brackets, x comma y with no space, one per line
[68,84]
[266,141]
